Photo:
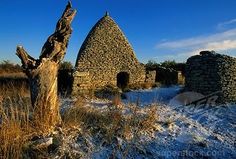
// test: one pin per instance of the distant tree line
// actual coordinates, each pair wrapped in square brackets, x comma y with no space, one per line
[169,64]
[66,65]
[64,74]
[9,67]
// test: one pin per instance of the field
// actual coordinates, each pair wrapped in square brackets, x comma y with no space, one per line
[147,124]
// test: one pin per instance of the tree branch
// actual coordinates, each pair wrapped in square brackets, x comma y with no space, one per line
[55,46]
[27,61]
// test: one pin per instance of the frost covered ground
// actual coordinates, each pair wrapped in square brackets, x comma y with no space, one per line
[183,132]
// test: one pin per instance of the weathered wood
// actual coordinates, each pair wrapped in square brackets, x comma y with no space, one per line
[26,60]
[42,73]
[55,46]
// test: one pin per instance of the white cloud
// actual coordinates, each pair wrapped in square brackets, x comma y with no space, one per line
[215,46]
[225,24]
[199,41]
[221,46]
[184,48]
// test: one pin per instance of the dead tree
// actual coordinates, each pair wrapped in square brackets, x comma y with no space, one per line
[42,72]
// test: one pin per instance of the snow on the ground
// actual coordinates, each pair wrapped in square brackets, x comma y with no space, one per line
[186,131]
[195,131]
[149,96]
[193,138]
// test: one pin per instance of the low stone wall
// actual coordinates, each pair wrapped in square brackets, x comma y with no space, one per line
[150,77]
[209,73]
[93,79]
[167,76]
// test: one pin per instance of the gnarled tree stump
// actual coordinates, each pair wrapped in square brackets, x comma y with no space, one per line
[42,72]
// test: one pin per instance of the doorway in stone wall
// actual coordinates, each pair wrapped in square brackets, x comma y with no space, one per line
[122,80]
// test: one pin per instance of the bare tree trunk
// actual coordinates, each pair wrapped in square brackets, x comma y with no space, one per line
[42,72]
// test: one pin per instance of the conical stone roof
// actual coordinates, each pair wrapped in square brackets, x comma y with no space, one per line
[105,53]
[104,42]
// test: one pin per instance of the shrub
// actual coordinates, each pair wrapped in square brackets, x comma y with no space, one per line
[116,101]
[65,81]
[107,92]
[65,78]
[169,64]
[151,65]
[9,67]
[66,65]
[107,126]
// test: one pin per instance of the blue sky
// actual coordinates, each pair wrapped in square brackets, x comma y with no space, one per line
[157,29]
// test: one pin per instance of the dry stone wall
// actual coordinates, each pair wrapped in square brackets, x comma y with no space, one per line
[105,53]
[209,73]
[167,76]
[150,77]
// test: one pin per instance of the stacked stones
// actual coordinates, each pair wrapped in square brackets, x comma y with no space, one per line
[105,53]
[167,76]
[180,78]
[150,77]
[209,73]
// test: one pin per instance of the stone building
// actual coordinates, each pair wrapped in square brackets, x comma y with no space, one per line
[106,58]
[209,73]
[168,76]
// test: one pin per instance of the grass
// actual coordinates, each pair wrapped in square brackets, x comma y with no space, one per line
[7,67]
[19,123]
[18,132]
[113,124]
[13,75]
[14,88]
[15,130]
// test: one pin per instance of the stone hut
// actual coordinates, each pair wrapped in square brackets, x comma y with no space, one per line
[106,58]
[168,76]
[210,73]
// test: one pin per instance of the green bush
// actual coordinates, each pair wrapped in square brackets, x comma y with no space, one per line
[66,65]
